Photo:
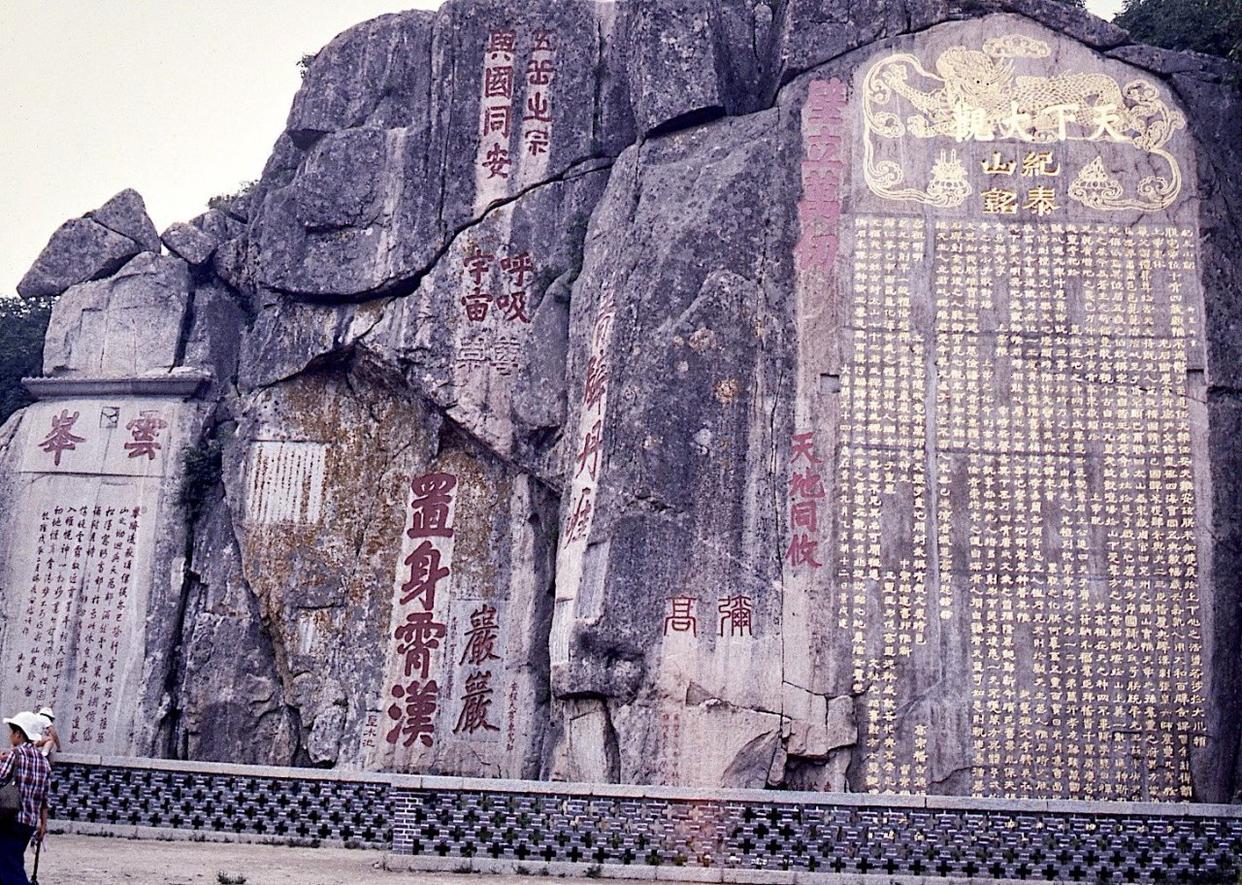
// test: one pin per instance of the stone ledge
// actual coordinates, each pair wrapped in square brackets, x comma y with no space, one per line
[182,383]
[170,834]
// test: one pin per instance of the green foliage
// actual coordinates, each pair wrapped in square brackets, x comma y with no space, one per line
[223,201]
[1211,26]
[23,323]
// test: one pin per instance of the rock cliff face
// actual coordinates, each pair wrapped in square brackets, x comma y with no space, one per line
[788,393]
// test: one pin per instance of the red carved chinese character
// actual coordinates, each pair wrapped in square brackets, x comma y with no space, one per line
[804,447]
[430,504]
[502,42]
[538,141]
[497,162]
[539,71]
[61,439]
[417,637]
[805,515]
[415,720]
[518,267]
[596,383]
[425,573]
[543,42]
[580,520]
[802,551]
[498,82]
[603,326]
[476,701]
[144,429]
[477,303]
[478,263]
[481,637]
[806,485]
[497,118]
[588,457]
[681,618]
[513,306]
[736,612]
[538,108]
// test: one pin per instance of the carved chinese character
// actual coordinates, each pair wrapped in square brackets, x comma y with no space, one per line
[518,267]
[588,455]
[543,42]
[1017,125]
[802,550]
[425,573]
[805,514]
[971,123]
[579,521]
[498,82]
[804,447]
[538,141]
[998,165]
[477,303]
[681,618]
[415,713]
[1108,123]
[476,701]
[430,501]
[1039,164]
[481,637]
[538,108]
[144,429]
[497,162]
[417,637]
[736,612]
[1041,200]
[502,42]
[61,439]
[497,118]
[806,485]
[1000,202]
[539,71]
[596,383]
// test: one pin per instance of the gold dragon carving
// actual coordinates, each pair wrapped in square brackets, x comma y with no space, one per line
[979,98]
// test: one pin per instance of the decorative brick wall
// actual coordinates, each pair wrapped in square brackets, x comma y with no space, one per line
[645,832]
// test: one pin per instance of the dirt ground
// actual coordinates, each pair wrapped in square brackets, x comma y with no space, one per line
[96,860]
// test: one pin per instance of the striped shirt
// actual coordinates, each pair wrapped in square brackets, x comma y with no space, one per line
[33,776]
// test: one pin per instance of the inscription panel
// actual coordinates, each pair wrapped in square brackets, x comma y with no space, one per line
[1018,559]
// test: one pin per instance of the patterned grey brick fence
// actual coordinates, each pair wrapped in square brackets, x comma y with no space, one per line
[649,832]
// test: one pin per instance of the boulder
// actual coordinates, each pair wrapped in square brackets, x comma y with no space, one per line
[80,250]
[126,214]
[191,243]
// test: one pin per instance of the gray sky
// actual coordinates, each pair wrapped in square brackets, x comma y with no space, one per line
[179,100]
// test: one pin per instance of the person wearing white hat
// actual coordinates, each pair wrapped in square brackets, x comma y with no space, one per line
[27,768]
[50,742]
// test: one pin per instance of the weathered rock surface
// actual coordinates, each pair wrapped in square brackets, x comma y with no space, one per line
[127,324]
[126,214]
[190,243]
[646,392]
[93,246]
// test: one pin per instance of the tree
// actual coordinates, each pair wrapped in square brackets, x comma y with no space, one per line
[23,323]
[1211,26]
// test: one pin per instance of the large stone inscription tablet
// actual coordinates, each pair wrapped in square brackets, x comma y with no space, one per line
[1019,327]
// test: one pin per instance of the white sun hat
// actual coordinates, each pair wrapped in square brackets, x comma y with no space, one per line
[47,714]
[31,724]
